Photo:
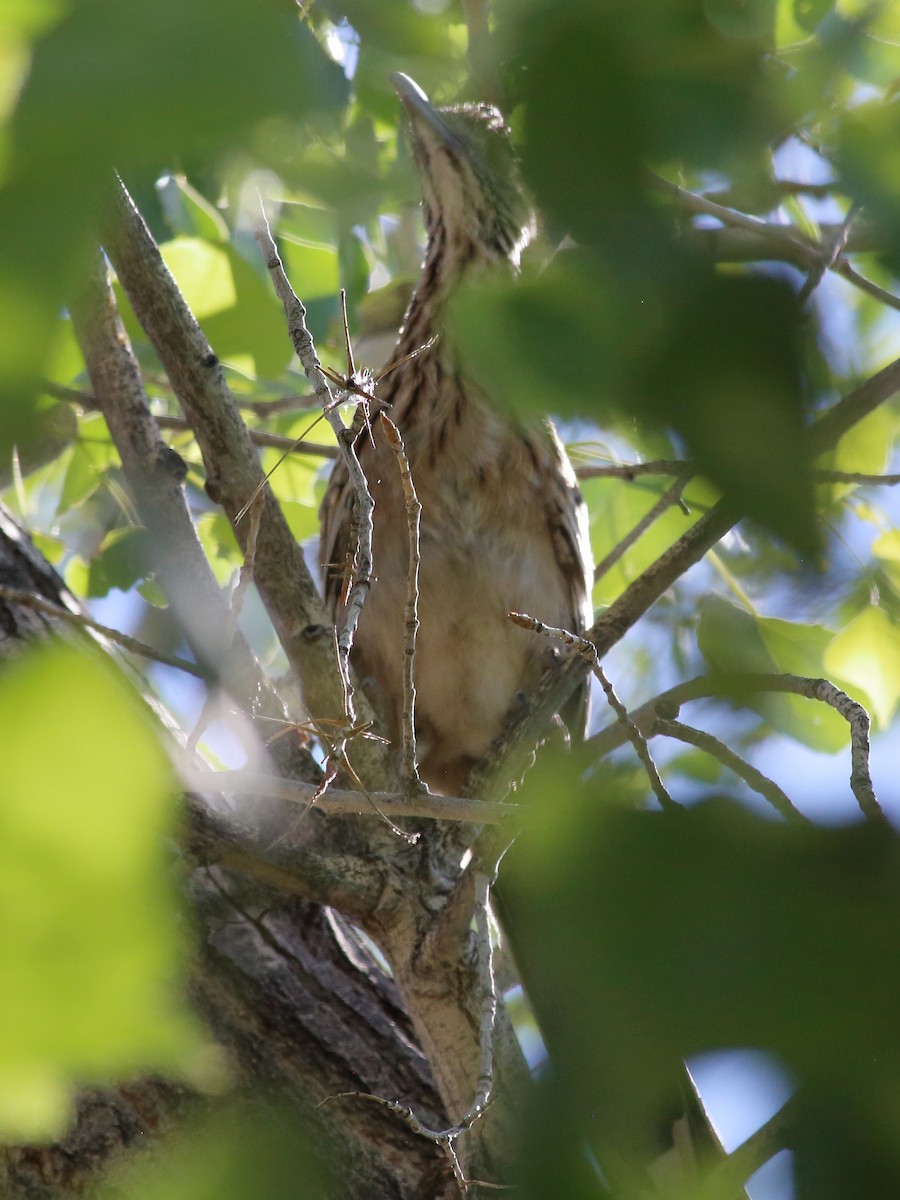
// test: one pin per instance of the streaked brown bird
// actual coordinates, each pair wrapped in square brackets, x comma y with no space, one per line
[503,526]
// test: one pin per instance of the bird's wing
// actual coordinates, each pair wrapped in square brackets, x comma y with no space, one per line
[335,521]
[567,519]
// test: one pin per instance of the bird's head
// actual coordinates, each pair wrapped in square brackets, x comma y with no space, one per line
[473,194]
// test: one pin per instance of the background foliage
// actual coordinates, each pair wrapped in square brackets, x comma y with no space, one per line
[650,339]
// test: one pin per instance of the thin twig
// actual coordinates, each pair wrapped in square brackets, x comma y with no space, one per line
[487,1004]
[39,604]
[855,477]
[670,497]
[858,720]
[852,408]
[843,268]
[306,352]
[717,749]
[832,249]
[666,466]
[588,651]
[413,517]
[259,437]
[204,720]
[629,471]
[701,205]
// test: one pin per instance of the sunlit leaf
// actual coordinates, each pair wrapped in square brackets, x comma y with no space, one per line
[867,655]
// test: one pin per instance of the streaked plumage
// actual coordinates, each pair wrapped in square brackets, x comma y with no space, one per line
[503,525]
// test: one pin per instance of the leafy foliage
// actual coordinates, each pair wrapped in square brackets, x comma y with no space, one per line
[93,944]
[668,330]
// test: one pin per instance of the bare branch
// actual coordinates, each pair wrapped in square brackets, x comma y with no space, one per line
[858,720]
[855,477]
[487,1016]
[259,437]
[155,475]
[413,515]
[717,749]
[394,804]
[832,249]
[850,409]
[245,577]
[780,241]
[292,866]
[232,467]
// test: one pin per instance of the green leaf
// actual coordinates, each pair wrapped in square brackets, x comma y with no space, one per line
[887,546]
[91,937]
[125,556]
[615,508]
[219,545]
[728,379]
[238,310]
[129,87]
[188,213]
[676,84]
[733,640]
[312,270]
[866,448]
[867,656]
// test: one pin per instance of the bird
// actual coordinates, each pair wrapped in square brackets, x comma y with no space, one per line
[503,524]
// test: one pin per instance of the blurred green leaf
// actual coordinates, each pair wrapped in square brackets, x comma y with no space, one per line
[92,940]
[728,379]
[236,1152]
[684,82]
[646,938]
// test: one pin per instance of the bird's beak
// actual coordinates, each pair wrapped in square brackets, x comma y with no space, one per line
[421,109]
